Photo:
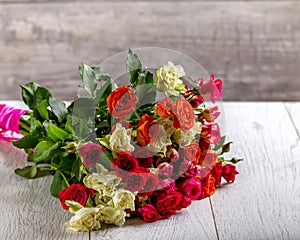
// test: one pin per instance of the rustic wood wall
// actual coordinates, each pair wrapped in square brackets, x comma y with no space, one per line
[253,45]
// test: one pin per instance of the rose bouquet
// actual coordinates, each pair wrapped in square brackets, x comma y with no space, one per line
[146,148]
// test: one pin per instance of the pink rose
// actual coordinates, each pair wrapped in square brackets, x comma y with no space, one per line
[191,188]
[212,87]
[211,133]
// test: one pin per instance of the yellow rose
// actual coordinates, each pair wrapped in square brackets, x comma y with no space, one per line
[85,220]
[110,215]
[168,79]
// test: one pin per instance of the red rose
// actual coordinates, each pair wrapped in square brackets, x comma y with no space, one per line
[204,145]
[165,108]
[196,101]
[124,163]
[229,172]
[135,181]
[192,152]
[185,202]
[149,213]
[75,192]
[124,124]
[144,157]
[184,117]
[90,154]
[147,130]
[166,201]
[217,172]
[208,158]
[208,186]
[191,188]
[121,102]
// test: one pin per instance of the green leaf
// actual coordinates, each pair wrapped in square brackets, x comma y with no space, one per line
[42,109]
[59,183]
[43,150]
[134,67]
[27,172]
[106,159]
[29,141]
[28,91]
[84,108]
[100,74]
[76,169]
[102,94]
[41,94]
[59,109]
[88,79]
[56,133]
[220,144]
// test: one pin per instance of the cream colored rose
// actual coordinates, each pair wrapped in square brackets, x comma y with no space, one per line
[124,199]
[167,124]
[85,220]
[119,140]
[111,215]
[97,180]
[161,141]
[185,138]
[168,79]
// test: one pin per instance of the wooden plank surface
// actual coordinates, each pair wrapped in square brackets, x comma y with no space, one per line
[28,211]
[254,46]
[193,223]
[294,110]
[264,203]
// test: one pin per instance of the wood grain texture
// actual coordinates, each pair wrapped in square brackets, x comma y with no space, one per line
[264,203]
[193,223]
[253,46]
[28,211]
[294,110]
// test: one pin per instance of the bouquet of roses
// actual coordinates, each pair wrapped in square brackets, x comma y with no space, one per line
[146,148]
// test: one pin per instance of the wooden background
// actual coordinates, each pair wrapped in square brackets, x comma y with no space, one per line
[253,45]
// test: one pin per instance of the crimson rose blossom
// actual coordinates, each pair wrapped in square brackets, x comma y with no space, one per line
[91,154]
[217,172]
[229,172]
[149,213]
[167,201]
[121,102]
[124,163]
[75,192]
[151,184]
[144,157]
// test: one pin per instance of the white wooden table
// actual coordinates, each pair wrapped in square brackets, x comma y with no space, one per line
[264,202]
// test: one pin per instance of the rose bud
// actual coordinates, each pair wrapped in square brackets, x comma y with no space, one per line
[172,155]
[165,169]
[196,101]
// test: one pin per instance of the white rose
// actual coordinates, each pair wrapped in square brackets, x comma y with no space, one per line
[124,199]
[161,141]
[97,180]
[85,220]
[168,79]
[185,138]
[110,215]
[119,140]
[167,124]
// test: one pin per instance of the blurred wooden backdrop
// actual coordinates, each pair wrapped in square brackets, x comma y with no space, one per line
[253,45]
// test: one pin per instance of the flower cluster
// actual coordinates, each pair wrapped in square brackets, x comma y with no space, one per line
[145,149]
